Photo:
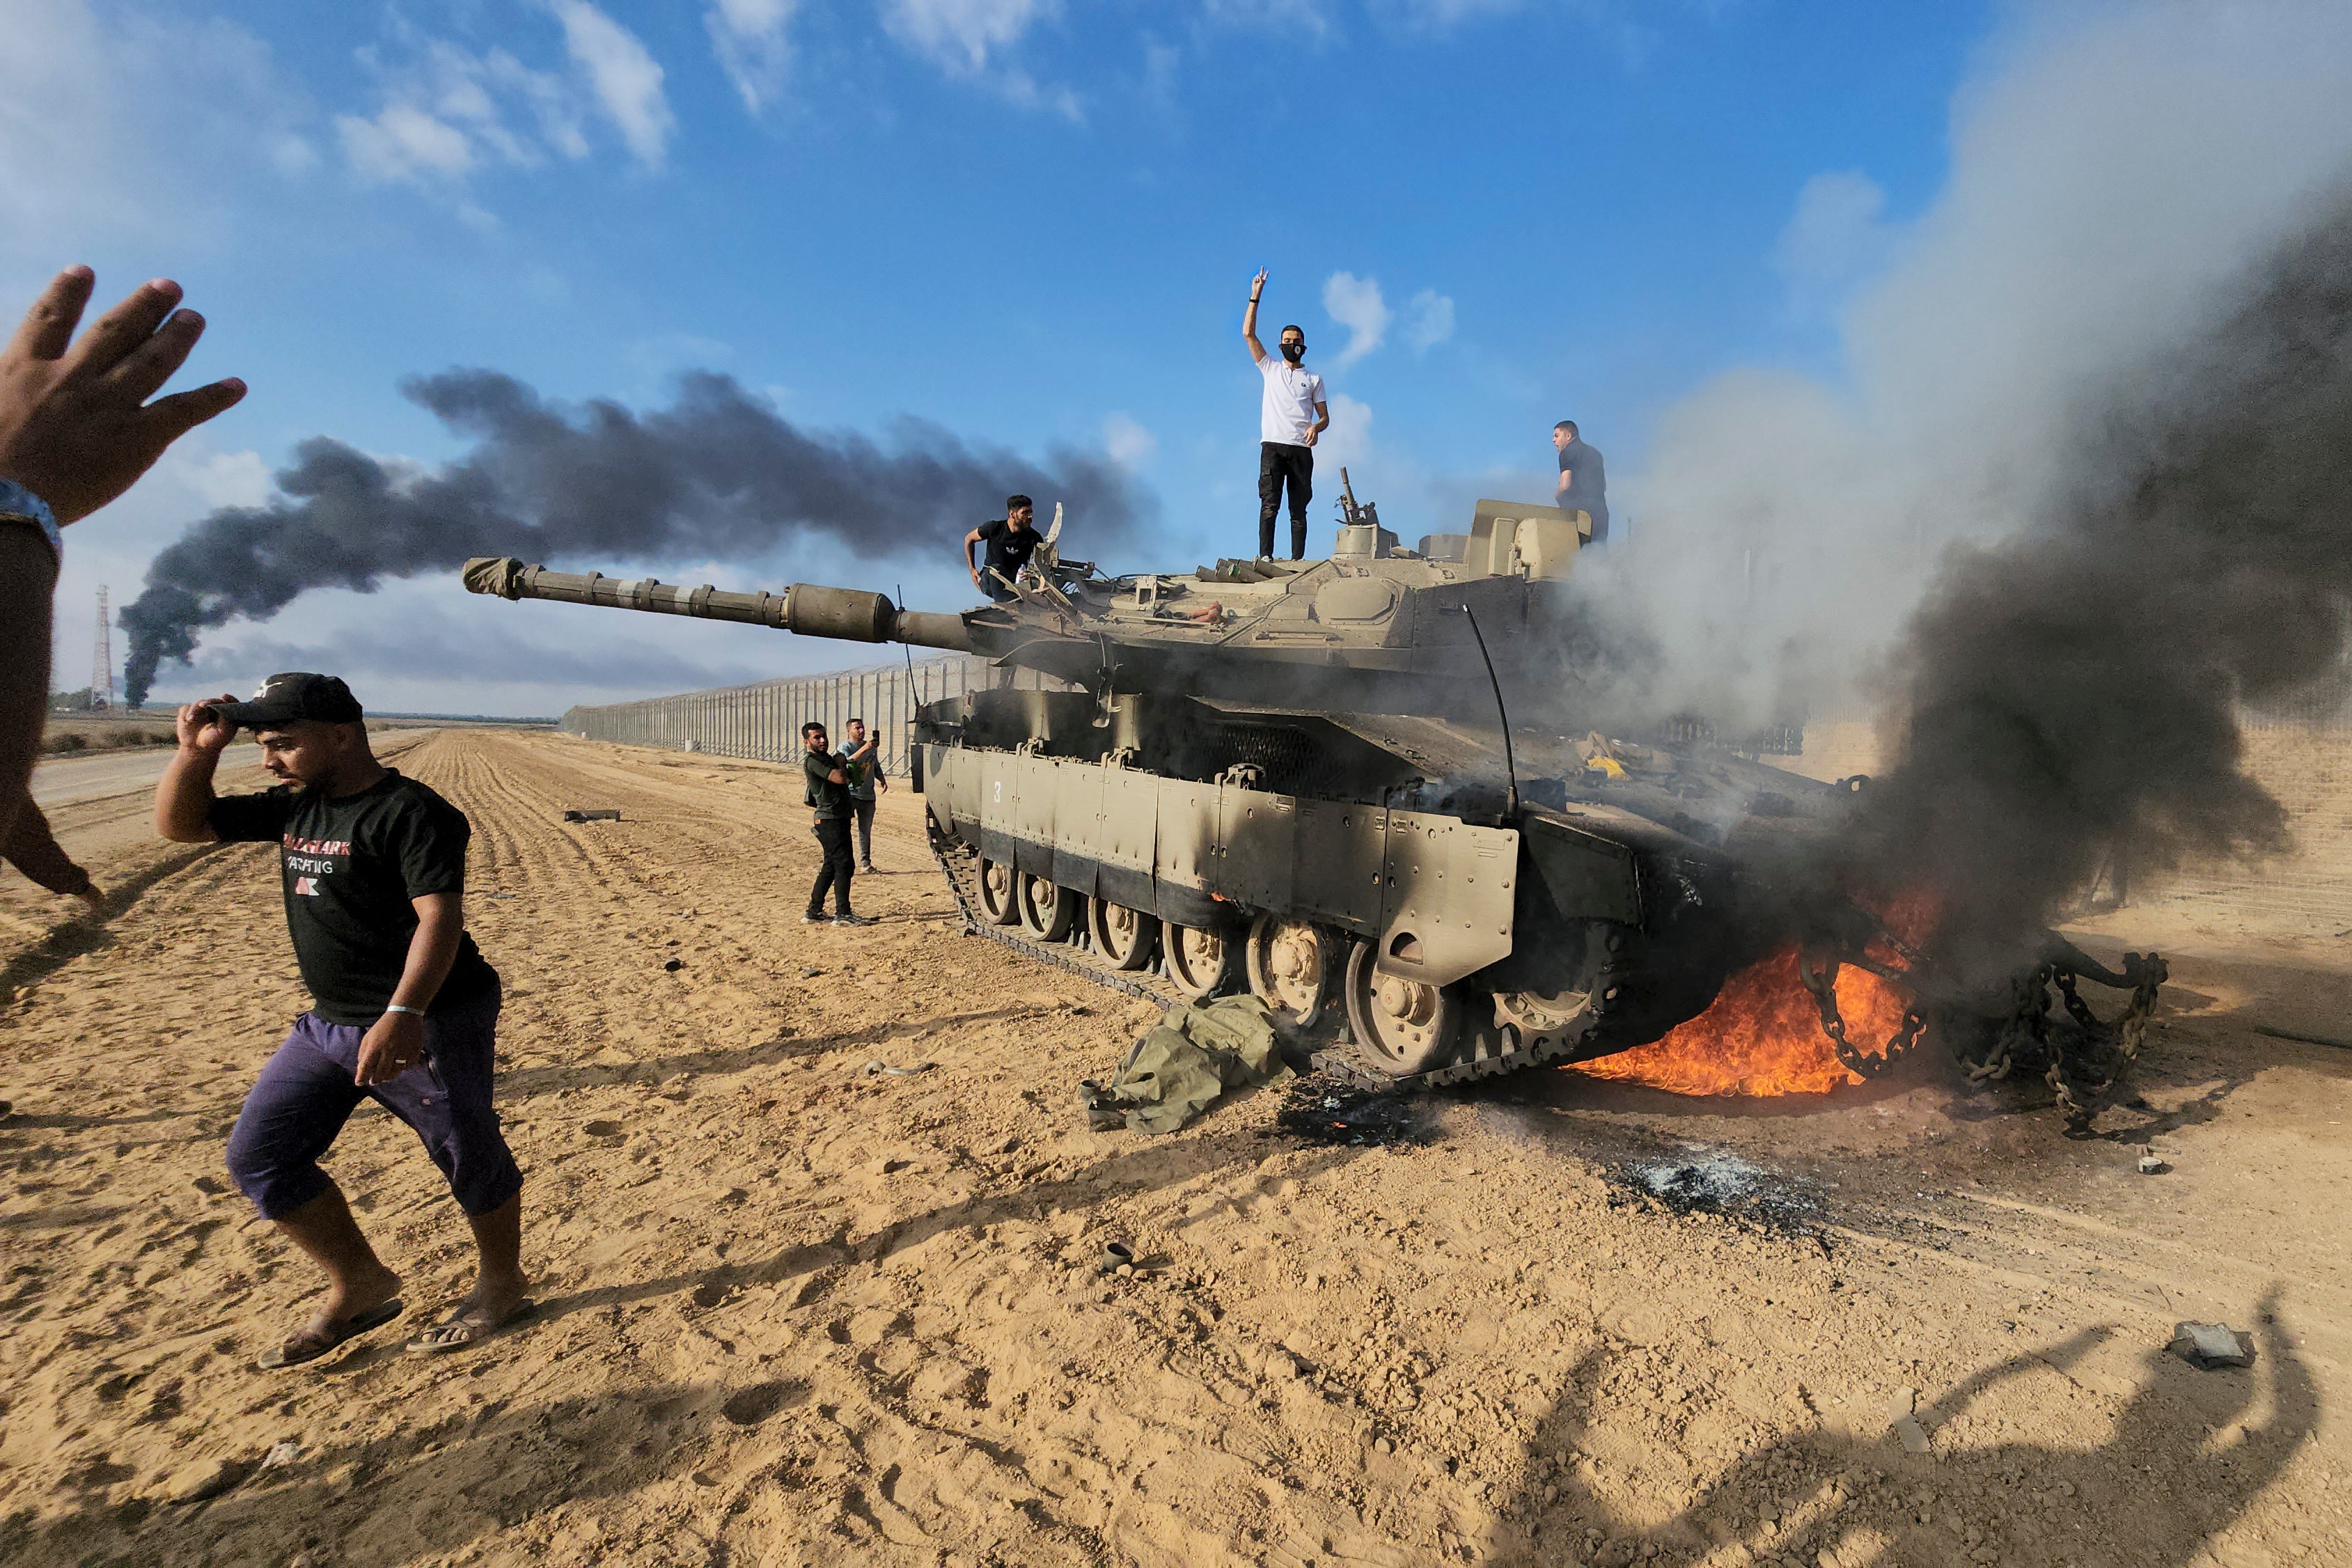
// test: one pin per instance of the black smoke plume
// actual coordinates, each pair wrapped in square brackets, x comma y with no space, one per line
[2075,693]
[718,473]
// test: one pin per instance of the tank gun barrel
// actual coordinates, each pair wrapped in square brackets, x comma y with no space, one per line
[846,614]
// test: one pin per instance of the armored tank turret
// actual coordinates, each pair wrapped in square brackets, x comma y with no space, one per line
[1299,777]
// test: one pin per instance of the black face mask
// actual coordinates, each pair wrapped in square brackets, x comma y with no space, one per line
[1294,352]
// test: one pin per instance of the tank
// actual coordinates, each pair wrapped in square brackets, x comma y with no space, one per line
[1304,778]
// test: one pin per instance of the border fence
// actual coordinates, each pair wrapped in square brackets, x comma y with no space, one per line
[763,720]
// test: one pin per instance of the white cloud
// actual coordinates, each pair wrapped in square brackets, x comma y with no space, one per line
[960,35]
[1356,304]
[1437,15]
[1312,18]
[625,78]
[1428,320]
[969,38]
[402,143]
[1130,445]
[1348,441]
[227,479]
[752,41]
[449,113]
[119,125]
[1837,236]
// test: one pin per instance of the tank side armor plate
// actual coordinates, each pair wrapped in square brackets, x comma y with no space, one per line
[1440,905]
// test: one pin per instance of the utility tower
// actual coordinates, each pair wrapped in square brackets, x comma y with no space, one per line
[101,677]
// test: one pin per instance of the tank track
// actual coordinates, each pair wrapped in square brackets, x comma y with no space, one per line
[1484,1051]
[1609,1022]
[959,863]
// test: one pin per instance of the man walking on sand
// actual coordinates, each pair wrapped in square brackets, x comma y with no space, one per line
[1291,416]
[862,766]
[828,798]
[404,1011]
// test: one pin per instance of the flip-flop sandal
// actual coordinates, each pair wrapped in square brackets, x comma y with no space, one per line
[308,1344]
[459,1332]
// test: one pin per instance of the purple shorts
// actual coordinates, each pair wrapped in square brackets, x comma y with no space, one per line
[305,1095]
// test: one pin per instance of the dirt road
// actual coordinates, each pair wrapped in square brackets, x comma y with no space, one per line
[792,1311]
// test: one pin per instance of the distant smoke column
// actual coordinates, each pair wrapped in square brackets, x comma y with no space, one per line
[2076,690]
[718,473]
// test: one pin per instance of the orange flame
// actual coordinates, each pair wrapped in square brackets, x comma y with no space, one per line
[1762,1035]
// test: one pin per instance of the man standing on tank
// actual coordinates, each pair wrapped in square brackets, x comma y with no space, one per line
[1291,415]
[1584,484]
[828,798]
[1009,541]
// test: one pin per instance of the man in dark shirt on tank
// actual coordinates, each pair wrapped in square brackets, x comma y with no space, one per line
[1584,484]
[404,1009]
[828,798]
[1010,539]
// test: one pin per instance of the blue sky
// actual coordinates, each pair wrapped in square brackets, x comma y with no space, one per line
[1031,222]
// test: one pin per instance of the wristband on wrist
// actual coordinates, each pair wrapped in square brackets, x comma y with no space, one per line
[19,504]
[396,1007]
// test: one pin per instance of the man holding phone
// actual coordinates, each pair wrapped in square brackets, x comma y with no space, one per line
[404,1009]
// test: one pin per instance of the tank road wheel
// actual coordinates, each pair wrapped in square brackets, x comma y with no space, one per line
[1126,938]
[1294,968]
[1200,962]
[1048,912]
[998,886]
[1541,1012]
[1403,1027]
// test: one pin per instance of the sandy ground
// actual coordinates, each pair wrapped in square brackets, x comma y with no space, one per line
[791,1311]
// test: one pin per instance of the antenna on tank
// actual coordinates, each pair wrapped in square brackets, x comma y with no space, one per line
[1510,767]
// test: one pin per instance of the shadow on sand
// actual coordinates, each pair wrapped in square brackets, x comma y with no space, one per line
[2190,1451]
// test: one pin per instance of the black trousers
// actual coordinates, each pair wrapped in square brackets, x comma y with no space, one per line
[1278,464]
[863,806]
[832,837]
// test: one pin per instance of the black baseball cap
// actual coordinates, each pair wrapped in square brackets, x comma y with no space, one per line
[291,698]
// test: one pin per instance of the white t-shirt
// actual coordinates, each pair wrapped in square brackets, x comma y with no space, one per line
[1291,393]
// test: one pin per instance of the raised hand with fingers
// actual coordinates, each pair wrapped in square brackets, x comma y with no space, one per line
[76,427]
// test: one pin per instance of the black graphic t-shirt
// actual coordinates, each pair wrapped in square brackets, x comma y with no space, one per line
[1008,551]
[350,866]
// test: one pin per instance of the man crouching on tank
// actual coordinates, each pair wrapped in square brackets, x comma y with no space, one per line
[404,1009]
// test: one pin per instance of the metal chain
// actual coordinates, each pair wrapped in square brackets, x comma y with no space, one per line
[1821,979]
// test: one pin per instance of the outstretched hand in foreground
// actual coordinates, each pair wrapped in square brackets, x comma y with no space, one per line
[76,427]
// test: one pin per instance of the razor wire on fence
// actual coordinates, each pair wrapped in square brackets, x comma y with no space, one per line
[764,721]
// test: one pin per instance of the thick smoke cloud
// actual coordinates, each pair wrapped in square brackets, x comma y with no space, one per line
[2070,500]
[2106,186]
[2074,692]
[718,473]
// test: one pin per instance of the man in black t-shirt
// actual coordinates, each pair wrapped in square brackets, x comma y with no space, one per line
[1010,539]
[1583,483]
[404,1009]
[829,799]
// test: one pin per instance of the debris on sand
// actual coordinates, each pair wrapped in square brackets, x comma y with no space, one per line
[599,813]
[1903,1422]
[1322,1109]
[2211,1345]
[1716,1181]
